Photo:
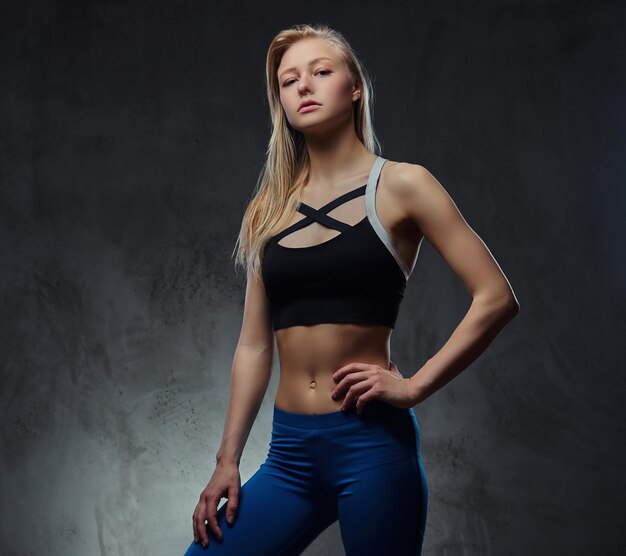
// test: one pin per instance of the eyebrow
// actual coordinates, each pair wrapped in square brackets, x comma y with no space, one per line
[315,60]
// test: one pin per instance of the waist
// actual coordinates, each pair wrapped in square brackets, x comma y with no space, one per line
[310,357]
[321,349]
[376,410]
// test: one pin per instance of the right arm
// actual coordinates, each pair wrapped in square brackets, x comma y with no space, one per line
[250,376]
[251,373]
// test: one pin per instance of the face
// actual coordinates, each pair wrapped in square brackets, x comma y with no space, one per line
[311,69]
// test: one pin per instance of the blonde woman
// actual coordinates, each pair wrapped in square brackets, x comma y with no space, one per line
[329,240]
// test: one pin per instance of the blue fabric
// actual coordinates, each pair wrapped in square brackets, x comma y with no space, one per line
[364,470]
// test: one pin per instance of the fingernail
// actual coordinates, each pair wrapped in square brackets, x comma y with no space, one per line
[230,519]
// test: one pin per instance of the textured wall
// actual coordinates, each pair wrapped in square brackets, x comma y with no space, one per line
[132,134]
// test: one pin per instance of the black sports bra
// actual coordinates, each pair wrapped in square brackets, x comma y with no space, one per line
[356,276]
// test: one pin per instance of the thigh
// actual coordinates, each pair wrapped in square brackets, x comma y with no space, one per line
[382,510]
[279,513]
[381,484]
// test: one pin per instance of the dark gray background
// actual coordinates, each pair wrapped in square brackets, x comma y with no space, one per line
[132,137]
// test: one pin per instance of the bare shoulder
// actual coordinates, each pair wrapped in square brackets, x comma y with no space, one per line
[406,178]
[415,189]
[425,202]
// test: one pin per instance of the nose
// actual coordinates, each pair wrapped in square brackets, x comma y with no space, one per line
[303,85]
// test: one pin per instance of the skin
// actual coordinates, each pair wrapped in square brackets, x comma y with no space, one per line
[353,367]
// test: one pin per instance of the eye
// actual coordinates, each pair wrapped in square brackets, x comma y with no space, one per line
[290,81]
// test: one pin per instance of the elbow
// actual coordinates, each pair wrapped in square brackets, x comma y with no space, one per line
[505,305]
[510,306]
[503,311]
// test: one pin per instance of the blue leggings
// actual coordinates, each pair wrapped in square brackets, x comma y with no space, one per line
[364,470]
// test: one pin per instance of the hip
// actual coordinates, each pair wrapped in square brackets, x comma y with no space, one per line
[343,441]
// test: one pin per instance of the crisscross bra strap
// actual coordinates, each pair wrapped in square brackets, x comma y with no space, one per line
[319,215]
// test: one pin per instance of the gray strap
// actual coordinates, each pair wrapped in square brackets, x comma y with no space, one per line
[370,209]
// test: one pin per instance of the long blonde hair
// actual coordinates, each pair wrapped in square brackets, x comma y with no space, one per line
[286,170]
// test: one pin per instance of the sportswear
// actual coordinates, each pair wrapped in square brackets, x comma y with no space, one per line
[356,276]
[364,471]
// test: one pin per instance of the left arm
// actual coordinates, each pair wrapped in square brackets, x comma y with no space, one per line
[433,212]
[494,304]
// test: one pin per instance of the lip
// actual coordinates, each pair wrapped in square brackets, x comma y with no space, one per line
[307,104]
[309,108]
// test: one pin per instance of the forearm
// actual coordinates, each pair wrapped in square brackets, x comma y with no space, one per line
[481,324]
[250,376]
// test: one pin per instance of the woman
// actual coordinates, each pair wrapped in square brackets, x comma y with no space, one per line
[329,240]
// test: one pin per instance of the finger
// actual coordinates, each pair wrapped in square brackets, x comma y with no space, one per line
[348,381]
[363,400]
[197,516]
[195,520]
[233,504]
[200,529]
[339,372]
[193,525]
[354,392]
[343,388]
[212,519]
[349,368]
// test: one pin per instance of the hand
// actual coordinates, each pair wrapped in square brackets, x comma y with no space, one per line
[361,383]
[225,482]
